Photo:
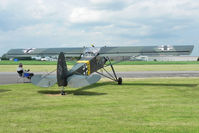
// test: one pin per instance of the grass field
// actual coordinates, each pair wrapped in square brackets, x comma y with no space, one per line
[139,105]
[39,66]
[6,62]
[118,68]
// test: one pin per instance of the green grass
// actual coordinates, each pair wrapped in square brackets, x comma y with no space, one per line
[157,62]
[139,105]
[33,68]
[5,62]
[118,68]
[39,66]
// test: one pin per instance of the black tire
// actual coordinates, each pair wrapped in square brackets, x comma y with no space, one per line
[119,81]
[62,93]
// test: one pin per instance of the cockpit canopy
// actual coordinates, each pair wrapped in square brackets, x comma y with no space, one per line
[91,51]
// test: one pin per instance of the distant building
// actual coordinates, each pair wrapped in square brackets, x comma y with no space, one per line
[174,58]
[4,57]
[139,58]
[157,58]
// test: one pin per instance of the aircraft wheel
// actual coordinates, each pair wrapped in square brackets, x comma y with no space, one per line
[62,93]
[119,81]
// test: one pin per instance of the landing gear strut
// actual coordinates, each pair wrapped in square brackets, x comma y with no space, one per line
[109,75]
[62,91]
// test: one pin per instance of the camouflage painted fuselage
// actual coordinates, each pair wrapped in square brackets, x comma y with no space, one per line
[88,65]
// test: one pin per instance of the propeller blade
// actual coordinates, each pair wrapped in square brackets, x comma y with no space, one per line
[76,81]
[44,80]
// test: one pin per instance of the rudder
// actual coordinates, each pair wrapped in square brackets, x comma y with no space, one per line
[62,70]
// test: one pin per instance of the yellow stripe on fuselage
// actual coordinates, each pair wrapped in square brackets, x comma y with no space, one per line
[87,62]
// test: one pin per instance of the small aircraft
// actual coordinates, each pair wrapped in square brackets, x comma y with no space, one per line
[86,70]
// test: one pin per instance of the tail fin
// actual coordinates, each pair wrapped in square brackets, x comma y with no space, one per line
[62,70]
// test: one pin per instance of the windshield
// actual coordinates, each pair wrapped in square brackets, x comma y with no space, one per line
[91,51]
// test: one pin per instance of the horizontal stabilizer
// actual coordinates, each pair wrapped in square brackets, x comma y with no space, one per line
[76,81]
[44,80]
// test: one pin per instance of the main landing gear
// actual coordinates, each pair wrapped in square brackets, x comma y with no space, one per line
[109,75]
[119,81]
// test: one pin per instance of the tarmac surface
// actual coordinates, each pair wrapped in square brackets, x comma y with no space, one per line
[12,78]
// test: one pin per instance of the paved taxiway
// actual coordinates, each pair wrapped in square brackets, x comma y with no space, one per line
[11,77]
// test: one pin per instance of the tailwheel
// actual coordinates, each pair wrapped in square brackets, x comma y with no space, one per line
[63,93]
[119,81]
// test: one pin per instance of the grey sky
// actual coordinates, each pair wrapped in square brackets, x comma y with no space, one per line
[62,23]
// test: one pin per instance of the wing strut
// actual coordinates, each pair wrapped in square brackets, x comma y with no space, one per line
[109,75]
[112,69]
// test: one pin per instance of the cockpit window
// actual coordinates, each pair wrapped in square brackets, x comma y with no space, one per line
[91,51]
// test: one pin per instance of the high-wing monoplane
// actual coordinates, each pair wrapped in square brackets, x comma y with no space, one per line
[86,70]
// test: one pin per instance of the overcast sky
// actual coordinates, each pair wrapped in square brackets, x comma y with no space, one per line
[74,23]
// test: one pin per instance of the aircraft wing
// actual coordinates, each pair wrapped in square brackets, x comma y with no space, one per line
[105,51]
[76,81]
[146,50]
[69,52]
